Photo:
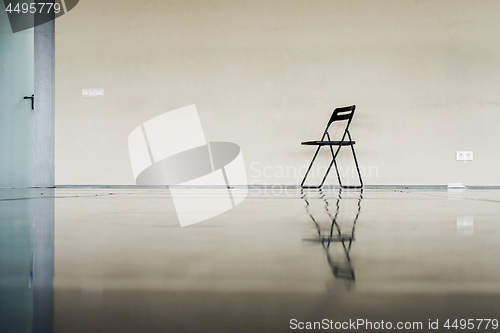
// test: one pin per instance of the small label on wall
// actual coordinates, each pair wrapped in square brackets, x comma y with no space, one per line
[93,92]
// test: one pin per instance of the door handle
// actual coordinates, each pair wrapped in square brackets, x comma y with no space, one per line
[32,97]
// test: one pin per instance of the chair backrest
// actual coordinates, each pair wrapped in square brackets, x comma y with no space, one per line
[339,114]
[344,113]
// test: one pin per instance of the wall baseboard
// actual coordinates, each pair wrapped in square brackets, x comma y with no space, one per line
[277,186]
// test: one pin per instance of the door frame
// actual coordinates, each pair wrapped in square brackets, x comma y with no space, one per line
[44,122]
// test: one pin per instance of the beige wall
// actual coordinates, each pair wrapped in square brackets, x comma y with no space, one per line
[425,76]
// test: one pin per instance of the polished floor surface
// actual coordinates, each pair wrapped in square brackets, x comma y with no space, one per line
[116,260]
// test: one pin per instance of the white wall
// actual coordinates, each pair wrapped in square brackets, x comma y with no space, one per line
[425,76]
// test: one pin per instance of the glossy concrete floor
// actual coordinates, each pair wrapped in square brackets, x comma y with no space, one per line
[116,260]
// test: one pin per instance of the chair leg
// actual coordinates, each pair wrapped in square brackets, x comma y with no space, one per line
[357,166]
[338,173]
[333,162]
[355,162]
[309,169]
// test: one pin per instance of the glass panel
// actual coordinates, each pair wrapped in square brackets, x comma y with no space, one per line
[26,260]
[16,115]
[16,249]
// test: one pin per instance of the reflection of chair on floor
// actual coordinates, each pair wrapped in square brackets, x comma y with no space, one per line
[340,269]
[339,114]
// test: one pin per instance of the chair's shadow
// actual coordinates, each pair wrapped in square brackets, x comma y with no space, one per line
[336,234]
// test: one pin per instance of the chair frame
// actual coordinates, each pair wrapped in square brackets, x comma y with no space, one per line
[339,114]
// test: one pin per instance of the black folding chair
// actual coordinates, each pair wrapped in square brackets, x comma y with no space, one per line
[339,114]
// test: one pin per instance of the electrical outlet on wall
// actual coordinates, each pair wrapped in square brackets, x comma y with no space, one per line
[465,155]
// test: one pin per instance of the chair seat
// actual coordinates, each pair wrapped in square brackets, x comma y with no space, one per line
[328,143]
[331,239]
